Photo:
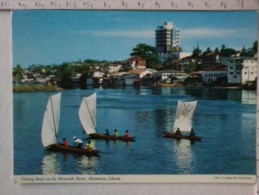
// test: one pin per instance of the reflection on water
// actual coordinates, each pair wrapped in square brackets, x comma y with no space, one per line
[182,150]
[249,97]
[50,164]
[87,165]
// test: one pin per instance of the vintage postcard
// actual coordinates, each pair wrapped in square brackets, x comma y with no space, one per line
[134,97]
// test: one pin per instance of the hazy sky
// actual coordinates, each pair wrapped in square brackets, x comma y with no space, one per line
[54,37]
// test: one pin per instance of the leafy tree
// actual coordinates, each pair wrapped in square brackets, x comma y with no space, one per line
[255,47]
[196,52]
[149,53]
[227,52]
[216,51]
[66,72]
[208,51]
[192,67]
[18,72]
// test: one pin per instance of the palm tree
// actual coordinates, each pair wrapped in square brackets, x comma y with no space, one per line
[18,72]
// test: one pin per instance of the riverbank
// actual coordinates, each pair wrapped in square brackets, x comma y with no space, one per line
[35,88]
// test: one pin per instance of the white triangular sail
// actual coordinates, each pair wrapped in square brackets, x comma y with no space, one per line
[87,113]
[184,115]
[50,123]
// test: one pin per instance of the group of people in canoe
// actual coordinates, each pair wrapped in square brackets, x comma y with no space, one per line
[116,133]
[78,143]
[178,132]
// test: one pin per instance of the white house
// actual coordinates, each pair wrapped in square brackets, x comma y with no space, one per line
[234,70]
[114,68]
[211,74]
[241,70]
[168,74]
[249,71]
[135,75]
[137,63]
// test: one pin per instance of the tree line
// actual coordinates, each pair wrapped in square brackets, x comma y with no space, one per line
[67,70]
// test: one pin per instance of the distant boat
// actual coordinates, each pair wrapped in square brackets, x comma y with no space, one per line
[50,127]
[183,121]
[87,115]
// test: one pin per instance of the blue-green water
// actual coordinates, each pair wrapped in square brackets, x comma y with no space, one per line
[225,118]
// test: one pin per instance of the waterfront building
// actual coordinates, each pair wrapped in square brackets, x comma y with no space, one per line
[211,74]
[168,75]
[249,71]
[136,75]
[235,66]
[240,69]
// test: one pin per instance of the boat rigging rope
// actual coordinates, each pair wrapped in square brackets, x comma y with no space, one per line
[186,106]
[90,113]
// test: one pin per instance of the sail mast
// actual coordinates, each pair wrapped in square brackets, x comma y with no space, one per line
[90,113]
[55,127]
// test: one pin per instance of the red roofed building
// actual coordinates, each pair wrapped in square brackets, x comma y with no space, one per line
[211,74]
[136,63]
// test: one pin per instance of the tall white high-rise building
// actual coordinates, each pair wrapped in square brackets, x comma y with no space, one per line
[167,38]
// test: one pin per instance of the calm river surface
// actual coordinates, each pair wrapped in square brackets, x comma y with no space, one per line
[225,118]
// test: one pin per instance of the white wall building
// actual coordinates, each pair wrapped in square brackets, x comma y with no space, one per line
[234,70]
[114,68]
[249,71]
[167,74]
[211,74]
[241,70]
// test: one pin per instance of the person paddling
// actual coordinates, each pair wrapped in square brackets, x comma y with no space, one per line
[192,133]
[107,132]
[65,143]
[78,142]
[116,133]
[178,132]
[127,135]
[89,145]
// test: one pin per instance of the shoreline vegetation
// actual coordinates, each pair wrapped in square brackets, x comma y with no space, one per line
[49,87]
[35,88]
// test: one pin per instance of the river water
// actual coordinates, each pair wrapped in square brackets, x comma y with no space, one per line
[225,118]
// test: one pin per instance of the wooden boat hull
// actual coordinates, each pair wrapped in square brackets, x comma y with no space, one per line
[172,135]
[70,149]
[110,137]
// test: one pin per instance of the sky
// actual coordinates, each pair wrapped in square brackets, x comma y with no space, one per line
[54,37]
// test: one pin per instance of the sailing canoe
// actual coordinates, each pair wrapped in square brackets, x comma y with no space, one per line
[178,137]
[50,127]
[70,149]
[110,137]
[87,115]
[183,121]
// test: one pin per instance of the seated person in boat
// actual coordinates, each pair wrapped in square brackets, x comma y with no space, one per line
[178,132]
[78,142]
[192,133]
[116,133]
[65,143]
[89,145]
[127,135]
[107,132]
